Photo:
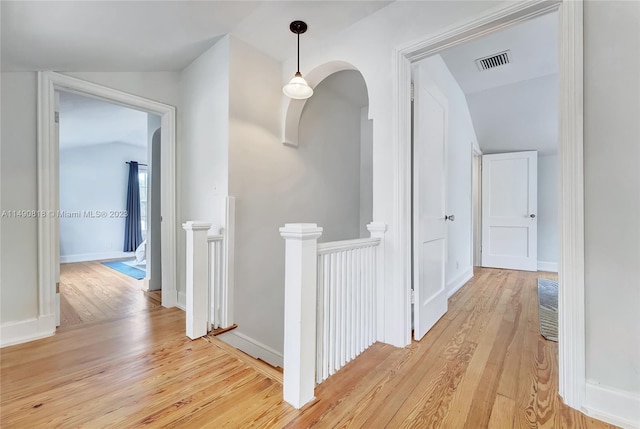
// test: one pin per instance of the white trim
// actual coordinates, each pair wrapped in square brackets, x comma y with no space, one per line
[613,406]
[48,167]
[571,298]
[253,347]
[182,301]
[339,246]
[83,257]
[458,282]
[27,330]
[228,244]
[551,267]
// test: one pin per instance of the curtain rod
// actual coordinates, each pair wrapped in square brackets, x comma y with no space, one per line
[144,165]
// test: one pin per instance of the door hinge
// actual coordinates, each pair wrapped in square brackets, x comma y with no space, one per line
[56,117]
[413,296]
[412,92]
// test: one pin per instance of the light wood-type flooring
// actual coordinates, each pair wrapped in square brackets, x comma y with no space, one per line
[92,292]
[484,364]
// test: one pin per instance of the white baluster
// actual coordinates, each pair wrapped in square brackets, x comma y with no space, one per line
[320,321]
[327,316]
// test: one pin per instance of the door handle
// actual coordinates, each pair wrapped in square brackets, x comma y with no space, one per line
[449,217]
[532,216]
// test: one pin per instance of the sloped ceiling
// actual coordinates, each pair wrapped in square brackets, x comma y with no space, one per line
[513,107]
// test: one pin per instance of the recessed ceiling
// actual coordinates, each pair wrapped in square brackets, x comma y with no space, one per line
[88,121]
[158,35]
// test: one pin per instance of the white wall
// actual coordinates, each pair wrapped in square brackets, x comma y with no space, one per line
[19,284]
[95,178]
[275,184]
[203,148]
[612,193]
[548,212]
[461,136]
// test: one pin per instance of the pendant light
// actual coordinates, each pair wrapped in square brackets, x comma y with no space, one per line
[297,87]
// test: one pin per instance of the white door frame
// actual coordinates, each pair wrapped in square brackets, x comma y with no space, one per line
[572,377]
[476,215]
[48,183]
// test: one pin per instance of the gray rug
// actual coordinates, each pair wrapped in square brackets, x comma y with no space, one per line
[548,303]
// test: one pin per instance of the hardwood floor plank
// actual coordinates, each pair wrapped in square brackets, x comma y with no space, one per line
[483,365]
[91,291]
[502,413]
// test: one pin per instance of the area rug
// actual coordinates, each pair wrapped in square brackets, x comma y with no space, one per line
[548,304]
[122,267]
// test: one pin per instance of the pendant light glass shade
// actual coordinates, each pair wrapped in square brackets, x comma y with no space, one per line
[297,88]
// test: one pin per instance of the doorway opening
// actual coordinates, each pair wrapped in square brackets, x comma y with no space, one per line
[571,237]
[107,225]
[49,184]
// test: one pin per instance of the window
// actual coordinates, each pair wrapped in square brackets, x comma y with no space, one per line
[143,182]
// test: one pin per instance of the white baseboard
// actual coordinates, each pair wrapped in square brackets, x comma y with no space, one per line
[83,257]
[613,406]
[182,301]
[551,267]
[458,282]
[27,330]
[253,348]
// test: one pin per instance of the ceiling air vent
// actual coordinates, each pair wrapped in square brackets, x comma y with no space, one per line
[494,61]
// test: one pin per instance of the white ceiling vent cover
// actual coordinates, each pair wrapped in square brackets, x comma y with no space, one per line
[493,61]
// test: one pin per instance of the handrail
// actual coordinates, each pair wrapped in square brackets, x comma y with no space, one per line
[212,238]
[338,246]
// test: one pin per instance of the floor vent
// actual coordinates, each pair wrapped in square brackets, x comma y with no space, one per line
[494,61]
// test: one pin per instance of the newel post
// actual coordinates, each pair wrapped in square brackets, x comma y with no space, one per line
[300,311]
[377,230]
[197,278]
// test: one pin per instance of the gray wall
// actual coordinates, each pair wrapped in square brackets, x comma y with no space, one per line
[366,171]
[94,178]
[275,184]
[612,192]
[548,208]
[154,205]
[19,253]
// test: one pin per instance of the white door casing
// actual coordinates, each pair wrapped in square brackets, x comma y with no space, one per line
[56,225]
[48,165]
[429,196]
[509,210]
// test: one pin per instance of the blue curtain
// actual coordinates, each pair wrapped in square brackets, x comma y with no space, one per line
[133,228]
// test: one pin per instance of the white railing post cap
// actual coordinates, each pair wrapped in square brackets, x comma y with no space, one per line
[195,225]
[301,231]
[377,227]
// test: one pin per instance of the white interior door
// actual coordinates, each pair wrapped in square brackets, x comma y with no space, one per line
[429,191]
[509,209]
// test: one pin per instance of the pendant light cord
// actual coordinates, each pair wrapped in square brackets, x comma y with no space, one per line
[298,52]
